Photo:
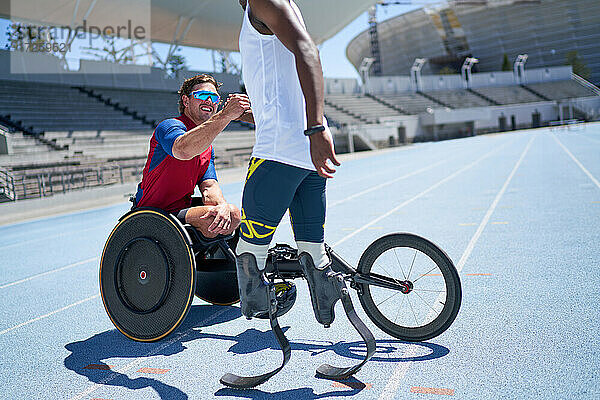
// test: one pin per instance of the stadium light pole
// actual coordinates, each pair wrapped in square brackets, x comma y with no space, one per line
[364,68]
[466,70]
[415,73]
[519,68]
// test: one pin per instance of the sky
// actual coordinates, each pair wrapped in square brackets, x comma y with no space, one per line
[333,51]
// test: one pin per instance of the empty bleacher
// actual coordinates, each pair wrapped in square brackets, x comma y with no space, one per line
[562,90]
[413,103]
[459,98]
[155,105]
[50,107]
[508,94]
[358,107]
[151,105]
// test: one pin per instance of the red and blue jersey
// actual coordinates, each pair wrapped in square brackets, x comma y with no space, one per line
[169,183]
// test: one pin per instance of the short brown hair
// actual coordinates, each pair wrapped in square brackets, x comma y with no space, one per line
[188,84]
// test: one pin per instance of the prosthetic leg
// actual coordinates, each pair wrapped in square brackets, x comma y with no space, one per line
[257,297]
[326,288]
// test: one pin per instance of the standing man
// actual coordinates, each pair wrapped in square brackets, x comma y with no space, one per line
[181,157]
[289,166]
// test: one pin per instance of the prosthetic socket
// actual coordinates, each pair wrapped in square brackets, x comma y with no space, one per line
[323,289]
[256,293]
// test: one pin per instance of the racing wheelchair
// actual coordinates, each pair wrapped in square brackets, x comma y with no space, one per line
[153,265]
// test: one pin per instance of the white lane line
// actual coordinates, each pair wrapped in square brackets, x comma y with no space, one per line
[371,189]
[580,165]
[423,193]
[49,314]
[138,360]
[376,187]
[393,384]
[89,260]
[68,233]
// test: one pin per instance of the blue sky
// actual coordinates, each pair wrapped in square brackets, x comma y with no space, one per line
[333,51]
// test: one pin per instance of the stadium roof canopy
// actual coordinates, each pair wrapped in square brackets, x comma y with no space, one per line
[210,24]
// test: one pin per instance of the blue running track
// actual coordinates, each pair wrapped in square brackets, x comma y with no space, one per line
[519,213]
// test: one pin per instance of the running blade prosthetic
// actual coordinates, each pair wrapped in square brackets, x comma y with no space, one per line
[326,288]
[247,382]
[257,297]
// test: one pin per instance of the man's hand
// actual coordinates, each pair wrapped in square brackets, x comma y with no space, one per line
[222,219]
[321,150]
[236,105]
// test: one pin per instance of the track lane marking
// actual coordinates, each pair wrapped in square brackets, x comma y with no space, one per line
[423,193]
[579,164]
[137,361]
[400,371]
[89,260]
[70,232]
[371,189]
[49,314]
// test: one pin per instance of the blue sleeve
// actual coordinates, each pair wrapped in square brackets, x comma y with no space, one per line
[167,131]
[211,172]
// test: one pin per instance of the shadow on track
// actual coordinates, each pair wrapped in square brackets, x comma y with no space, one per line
[112,344]
[253,340]
[294,394]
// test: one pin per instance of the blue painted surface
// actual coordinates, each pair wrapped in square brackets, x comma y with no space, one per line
[528,330]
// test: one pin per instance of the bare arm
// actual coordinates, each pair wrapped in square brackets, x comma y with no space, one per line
[197,140]
[280,18]
[247,116]
[211,193]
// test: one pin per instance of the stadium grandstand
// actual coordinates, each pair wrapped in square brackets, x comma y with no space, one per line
[95,124]
[446,32]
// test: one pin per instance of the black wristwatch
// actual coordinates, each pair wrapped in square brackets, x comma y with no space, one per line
[314,129]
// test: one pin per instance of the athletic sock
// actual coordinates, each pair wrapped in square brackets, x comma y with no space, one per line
[316,251]
[259,251]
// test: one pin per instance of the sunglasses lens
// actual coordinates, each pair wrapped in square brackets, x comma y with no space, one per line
[207,96]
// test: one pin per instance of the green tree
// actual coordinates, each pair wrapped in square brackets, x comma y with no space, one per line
[505,63]
[26,37]
[111,51]
[578,65]
[176,63]
[447,71]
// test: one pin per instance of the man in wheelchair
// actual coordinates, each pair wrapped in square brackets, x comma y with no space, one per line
[181,156]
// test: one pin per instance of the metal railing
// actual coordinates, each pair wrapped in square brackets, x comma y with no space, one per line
[43,184]
[586,83]
[7,186]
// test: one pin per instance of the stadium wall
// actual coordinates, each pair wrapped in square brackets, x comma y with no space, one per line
[399,84]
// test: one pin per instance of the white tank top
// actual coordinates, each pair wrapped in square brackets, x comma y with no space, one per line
[271,80]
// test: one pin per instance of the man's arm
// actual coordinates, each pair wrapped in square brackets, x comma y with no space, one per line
[225,216]
[280,18]
[211,193]
[247,116]
[195,141]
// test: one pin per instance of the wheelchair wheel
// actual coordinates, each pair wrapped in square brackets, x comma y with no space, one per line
[147,275]
[432,302]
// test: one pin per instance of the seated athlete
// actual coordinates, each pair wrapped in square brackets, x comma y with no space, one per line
[181,156]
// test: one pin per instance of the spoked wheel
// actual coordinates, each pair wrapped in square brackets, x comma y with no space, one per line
[427,293]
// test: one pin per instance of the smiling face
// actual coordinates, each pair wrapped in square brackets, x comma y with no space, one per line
[198,110]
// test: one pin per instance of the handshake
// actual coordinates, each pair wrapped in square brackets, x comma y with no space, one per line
[237,107]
